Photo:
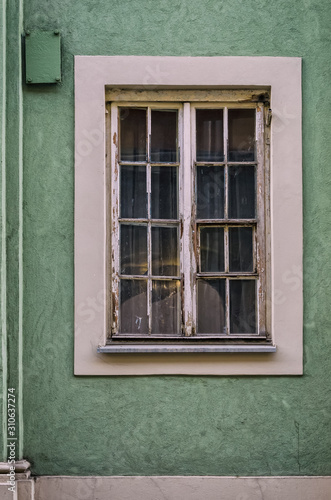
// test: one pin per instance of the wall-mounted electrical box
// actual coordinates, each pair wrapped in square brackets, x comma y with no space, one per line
[42,57]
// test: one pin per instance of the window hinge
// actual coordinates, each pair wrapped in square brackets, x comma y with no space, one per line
[268,117]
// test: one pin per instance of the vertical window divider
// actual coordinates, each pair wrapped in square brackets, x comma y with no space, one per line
[254,246]
[226,216]
[180,207]
[193,149]
[226,173]
[226,248]
[227,281]
[188,235]
[114,224]
[108,242]
[227,305]
[149,215]
[260,217]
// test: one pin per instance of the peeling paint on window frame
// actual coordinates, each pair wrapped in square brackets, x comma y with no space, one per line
[189,249]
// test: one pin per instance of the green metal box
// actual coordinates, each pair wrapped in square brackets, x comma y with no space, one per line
[42,57]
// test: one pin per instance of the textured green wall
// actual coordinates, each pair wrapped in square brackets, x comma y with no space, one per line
[169,425]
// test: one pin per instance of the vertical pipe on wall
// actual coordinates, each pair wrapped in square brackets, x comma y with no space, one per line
[20,234]
[14,218]
[3,268]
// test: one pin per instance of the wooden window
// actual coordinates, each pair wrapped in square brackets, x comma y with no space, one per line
[187,220]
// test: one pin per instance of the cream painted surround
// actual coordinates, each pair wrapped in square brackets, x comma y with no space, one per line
[283,76]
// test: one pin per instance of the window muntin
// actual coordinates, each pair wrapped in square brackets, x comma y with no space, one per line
[191,224]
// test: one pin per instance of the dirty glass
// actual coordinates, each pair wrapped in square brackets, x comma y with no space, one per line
[163,136]
[242,192]
[211,249]
[133,192]
[164,198]
[165,261]
[165,307]
[209,138]
[241,134]
[132,134]
[133,310]
[133,249]
[242,306]
[211,306]
[210,192]
[240,249]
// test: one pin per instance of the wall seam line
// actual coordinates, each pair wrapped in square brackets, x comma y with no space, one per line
[4,231]
[20,238]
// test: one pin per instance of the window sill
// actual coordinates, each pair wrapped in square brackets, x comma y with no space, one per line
[127,348]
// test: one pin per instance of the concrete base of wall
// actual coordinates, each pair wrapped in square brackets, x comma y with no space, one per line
[169,488]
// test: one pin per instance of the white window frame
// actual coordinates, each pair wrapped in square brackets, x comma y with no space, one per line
[186,168]
[93,74]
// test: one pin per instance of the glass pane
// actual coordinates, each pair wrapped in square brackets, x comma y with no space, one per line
[241,249]
[165,307]
[133,134]
[242,192]
[164,136]
[133,249]
[211,306]
[165,260]
[242,306]
[133,308]
[209,123]
[210,192]
[164,193]
[133,192]
[212,249]
[241,134]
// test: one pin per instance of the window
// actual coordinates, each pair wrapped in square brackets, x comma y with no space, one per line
[183,129]
[188,243]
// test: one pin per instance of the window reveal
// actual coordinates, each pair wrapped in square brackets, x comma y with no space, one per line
[187,205]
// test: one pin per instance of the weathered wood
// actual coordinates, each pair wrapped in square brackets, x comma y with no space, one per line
[205,96]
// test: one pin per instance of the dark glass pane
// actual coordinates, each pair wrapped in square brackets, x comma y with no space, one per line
[242,192]
[241,249]
[133,192]
[133,134]
[241,134]
[165,307]
[133,249]
[133,308]
[242,306]
[165,260]
[164,136]
[212,249]
[209,123]
[211,306]
[164,193]
[210,192]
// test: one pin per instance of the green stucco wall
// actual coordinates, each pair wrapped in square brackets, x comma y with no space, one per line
[169,425]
